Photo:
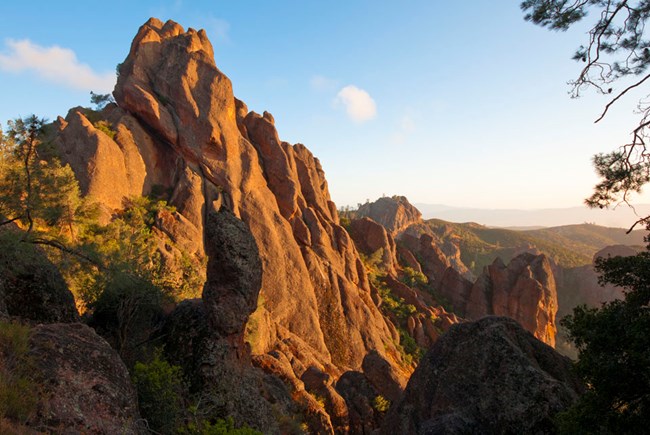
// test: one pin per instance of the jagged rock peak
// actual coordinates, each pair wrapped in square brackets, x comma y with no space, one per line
[524,290]
[395,213]
[179,128]
[155,31]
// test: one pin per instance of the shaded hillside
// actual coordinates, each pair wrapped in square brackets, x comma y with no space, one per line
[568,246]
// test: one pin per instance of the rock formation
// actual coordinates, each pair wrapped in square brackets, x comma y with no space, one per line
[524,290]
[179,129]
[31,287]
[396,213]
[489,376]
[85,387]
[370,237]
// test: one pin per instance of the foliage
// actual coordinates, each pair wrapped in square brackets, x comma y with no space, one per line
[36,191]
[159,387]
[372,262]
[100,100]
[393,303]
[380,403]
[616,51]
[411,351]
[219,427]
[614,353]
[17,387]
[414,278]
[346,215]
[393,306]
[106,128]
[126,293]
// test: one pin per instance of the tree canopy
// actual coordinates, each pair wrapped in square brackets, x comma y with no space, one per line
[614,353]
[615,58]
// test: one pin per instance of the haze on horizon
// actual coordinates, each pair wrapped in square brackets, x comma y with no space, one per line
[462,106]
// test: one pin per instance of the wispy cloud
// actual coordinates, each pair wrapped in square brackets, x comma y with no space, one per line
[322,83]
[54,64]
[358,103]
[406,125]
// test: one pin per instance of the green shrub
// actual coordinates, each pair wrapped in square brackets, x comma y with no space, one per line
[413,278]
[106,128]
[18,390]
[380,404]
[220,427]
[159,387]
[411,352]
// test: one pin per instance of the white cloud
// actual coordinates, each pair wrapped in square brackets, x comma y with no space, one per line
[55,64]
[358,103]
[322,83]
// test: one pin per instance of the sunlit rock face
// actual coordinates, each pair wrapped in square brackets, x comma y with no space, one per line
[177,128]
[523,290]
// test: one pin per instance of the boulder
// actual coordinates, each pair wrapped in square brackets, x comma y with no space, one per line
[31,287]
[85,387]
[488,376]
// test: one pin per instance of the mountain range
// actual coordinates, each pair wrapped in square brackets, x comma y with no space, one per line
[622,216]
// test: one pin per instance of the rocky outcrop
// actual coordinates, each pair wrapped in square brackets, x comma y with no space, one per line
[383,376]
[523,290]
[215,327]
[234,275]
[369,237]
[361,398]
[179,129]
[396,213]
[489,376]
[31,287]
[85,387]
[206,338]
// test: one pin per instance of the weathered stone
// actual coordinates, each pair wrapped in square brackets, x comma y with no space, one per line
[489,376]
[369,237]
[234,274]
[359,395]
[524,290]
[383,377]
[86,387]
[396,214]
[31,287]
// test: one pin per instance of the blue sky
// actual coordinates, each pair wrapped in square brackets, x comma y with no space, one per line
[465,106]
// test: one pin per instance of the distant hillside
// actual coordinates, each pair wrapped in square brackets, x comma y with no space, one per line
[568,246]
[622,217]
